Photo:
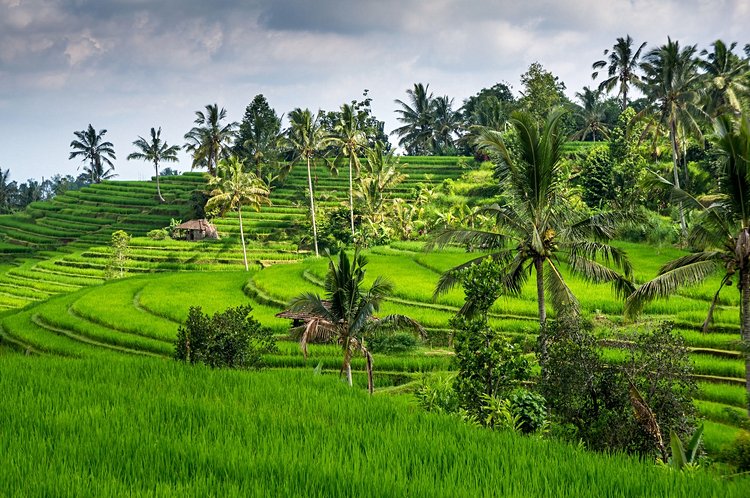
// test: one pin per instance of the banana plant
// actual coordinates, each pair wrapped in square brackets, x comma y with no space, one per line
[683,457]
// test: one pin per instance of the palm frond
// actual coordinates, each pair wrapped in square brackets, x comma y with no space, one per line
[559,293]
[479,239]
[450,278]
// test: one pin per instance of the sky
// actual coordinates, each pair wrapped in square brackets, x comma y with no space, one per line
[129,65]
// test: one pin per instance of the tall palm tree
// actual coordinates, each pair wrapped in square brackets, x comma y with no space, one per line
[155,151]
[211,140]
[591,112]
[722,233]
[417,117]
[445,123]
[671,85]
[8,191]
[232,188]
[726,78]
[91,147]
[381,175]
[622,67]
[306,138]
[535,227]
[346,314]
[350,140]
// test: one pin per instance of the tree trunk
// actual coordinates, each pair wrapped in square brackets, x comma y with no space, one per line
[370,383]
[158,189]
[351,197]
[539,267]
[242,238]
[745,324]
[675,168]
[312,208]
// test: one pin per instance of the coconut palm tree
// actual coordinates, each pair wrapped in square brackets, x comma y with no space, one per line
[380,175]
[726,78]
[534,228]
[592,115]
[622,67]
[155,151]
[91,148]
[350,140]
[346,314]
[306,138]
[8,191]
[671,85]
[445,123]
[232,188]
[211,140]
[721,232]
[417,117]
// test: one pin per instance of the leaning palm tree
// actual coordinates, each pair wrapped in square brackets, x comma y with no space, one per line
[672,86]
[350,140]
[722,233]
[306,138]
[155,151]
[211,140]
[91,148]
[622,65]
[535,227]
[346,314]
[726,78]
[417,117]
[232,188]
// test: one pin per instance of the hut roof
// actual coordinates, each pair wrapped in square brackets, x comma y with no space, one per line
[201,224]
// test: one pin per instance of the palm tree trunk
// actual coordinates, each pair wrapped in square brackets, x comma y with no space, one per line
[745,324]
[158,189]
[370,383]
[675,168]
[242,238]
[312,208]
[351,197]
[539,268]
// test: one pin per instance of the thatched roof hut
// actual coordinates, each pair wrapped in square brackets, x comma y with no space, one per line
[197,230]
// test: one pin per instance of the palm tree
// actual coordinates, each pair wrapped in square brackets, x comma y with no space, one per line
[210,141]
[722,233]
[89,146]
[591,113]
[381,175]
[534,228]
[350,140]
[622,66]
[671,84]
[726,77]
[8,192]
[155,151]
[346,315]
[445,122]
[416,115]
[306,138]
[232,188]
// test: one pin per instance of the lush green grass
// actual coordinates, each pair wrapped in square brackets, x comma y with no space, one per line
[158,428]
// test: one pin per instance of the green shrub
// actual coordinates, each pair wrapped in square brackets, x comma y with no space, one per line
[400,342]
[739,452]
[158,234]
[436,394]
[231,338]
[530,408]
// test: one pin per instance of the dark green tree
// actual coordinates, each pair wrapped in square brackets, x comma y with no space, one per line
[542,92]
[95,153]
[416,116]
[211,140]
[257,142]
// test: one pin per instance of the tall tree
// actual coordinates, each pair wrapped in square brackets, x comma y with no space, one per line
[445,125]
[91,147]
[231,189]
[210,141]
[380,174]
[536,224]
[592,115]
[417,117]
[8,192]
[350,141]
[156,150]
[258,135]
[721,233]
[305,138]
[726,79]
[542,91]
[346,316]
[671,86]
[622,66]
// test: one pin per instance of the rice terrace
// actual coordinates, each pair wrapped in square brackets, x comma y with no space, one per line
[521,295]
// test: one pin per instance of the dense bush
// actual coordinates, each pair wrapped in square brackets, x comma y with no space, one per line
[400,342]
[231,338]
[530,409]
[738,453]
[594,401]
[158,234]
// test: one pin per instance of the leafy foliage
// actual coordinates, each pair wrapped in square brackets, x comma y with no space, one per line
[230,339]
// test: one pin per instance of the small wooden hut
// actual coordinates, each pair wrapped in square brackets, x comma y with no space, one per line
[197,230]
